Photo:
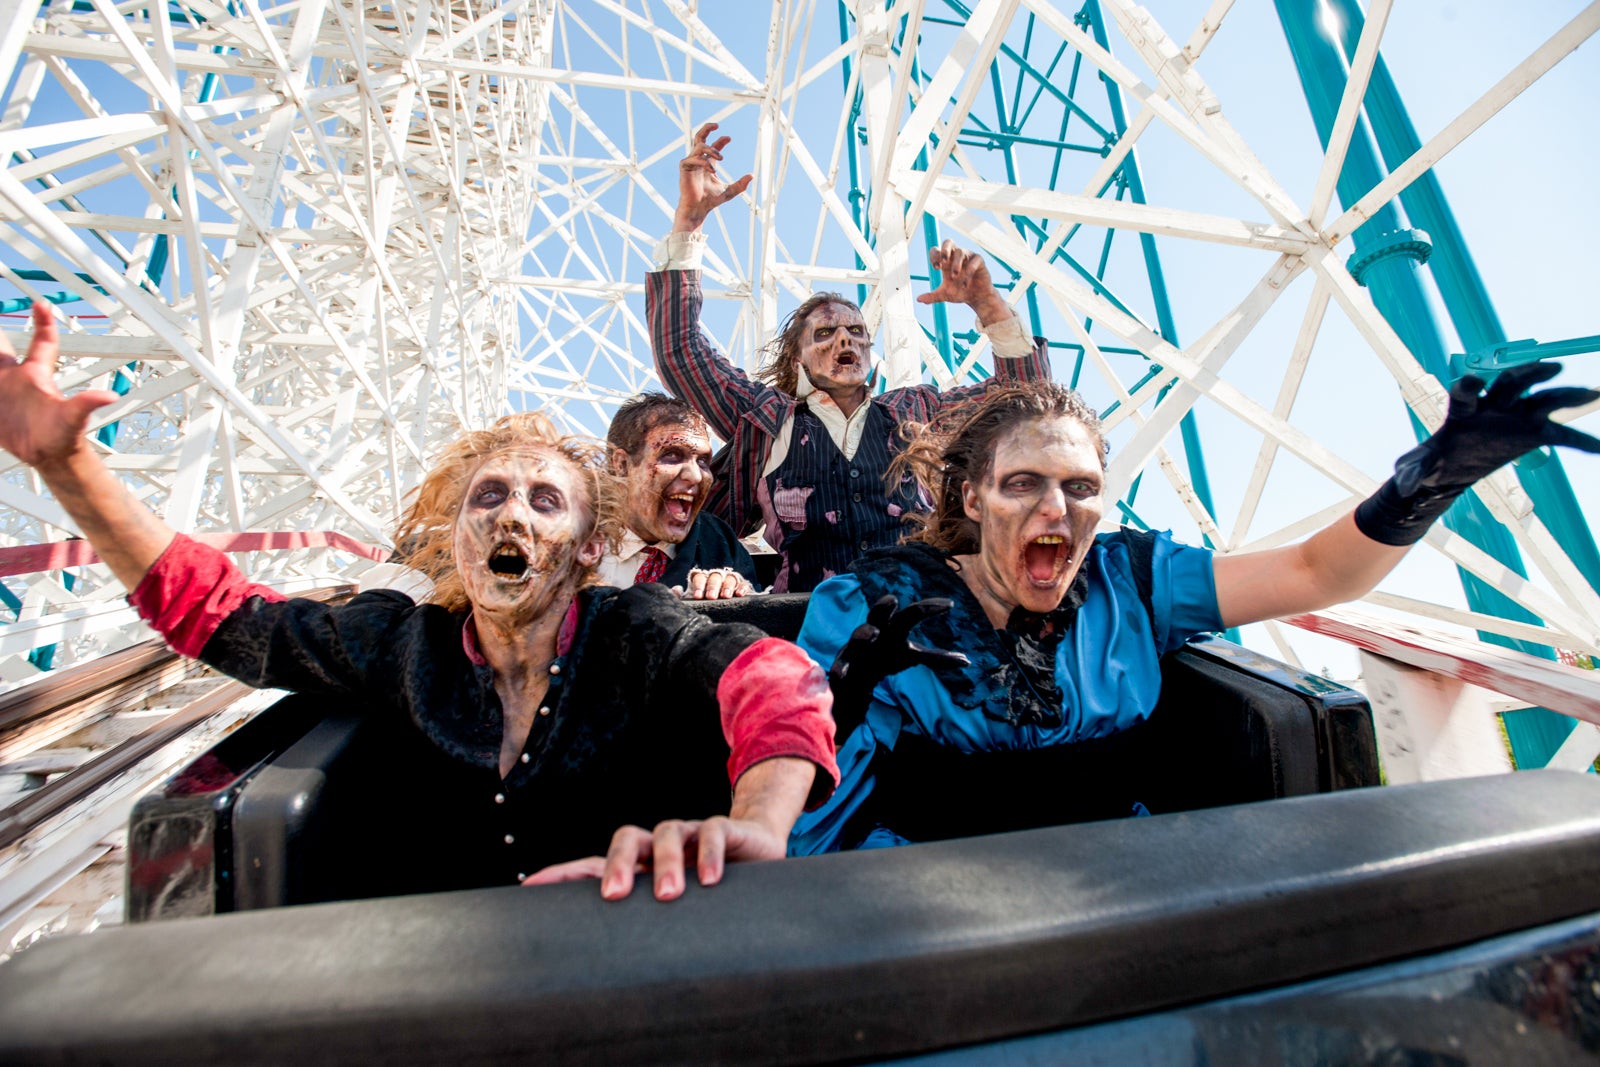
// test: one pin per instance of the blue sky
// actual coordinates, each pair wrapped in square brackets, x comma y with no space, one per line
[1522,189]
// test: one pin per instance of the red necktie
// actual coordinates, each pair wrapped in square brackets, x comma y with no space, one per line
[653,567]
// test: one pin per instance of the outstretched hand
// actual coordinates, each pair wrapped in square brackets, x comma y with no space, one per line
[1482,433]
[666,851]
[700,191]
[879,647]
[38,423]
[964,279]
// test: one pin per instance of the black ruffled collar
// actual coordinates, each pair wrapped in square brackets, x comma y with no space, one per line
[1010,675]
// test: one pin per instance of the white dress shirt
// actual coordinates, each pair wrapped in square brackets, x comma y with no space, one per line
[622,567]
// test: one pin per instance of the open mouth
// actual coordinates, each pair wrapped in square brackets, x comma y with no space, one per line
[1044,558]
[508,562]
[680,506]
[847,359]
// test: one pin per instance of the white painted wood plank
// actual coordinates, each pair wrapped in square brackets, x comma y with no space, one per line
[1569,690]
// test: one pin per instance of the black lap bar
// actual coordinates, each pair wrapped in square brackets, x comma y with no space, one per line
[842,957]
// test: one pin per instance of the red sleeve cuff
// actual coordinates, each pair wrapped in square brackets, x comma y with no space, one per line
[776,702]
[188,591]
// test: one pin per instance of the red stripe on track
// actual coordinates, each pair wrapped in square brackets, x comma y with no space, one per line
[60,555]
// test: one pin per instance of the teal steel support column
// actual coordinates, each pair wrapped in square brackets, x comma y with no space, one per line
[1387,260]
[1465,298]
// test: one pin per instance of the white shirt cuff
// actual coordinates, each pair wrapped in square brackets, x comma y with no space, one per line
[1008,338]
[680,251]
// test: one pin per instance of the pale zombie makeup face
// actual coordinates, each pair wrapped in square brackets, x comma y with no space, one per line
[520,535]
[667,483]
[1038,506]
[834,349]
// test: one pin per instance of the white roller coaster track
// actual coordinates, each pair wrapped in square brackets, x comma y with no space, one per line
[383,223]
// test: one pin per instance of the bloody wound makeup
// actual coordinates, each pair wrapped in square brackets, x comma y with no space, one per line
[523,534]
[834,348]
[1037,508]
[667,481]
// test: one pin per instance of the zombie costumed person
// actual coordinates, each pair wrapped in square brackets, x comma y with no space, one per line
[552,712]
[659,447]
[1048,655]
[808,443]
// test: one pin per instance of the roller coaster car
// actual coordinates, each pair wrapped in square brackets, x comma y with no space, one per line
[1269,913]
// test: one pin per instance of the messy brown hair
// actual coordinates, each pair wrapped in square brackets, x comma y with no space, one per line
[782,367]
[426,531]
[641,414]
[959,446]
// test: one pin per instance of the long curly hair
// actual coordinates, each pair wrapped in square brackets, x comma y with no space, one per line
[958,446]
[425,535]
[782,367]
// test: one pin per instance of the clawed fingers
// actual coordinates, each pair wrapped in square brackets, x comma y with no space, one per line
[702,147]
[1465,396]
[696,587]
[904,620]
[937,657]
[861,639]
[721,583]
[964,275]
[666,851]
[948,254]
[1542,404]
[43,347]
[879,614]
[1571,438]
[1512,382]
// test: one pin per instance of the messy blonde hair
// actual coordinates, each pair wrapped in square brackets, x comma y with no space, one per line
[425,535]
[959,446]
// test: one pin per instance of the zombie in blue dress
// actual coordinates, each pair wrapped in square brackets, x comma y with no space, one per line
[1074,678]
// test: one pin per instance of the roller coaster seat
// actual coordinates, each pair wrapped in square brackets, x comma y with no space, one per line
[312,801]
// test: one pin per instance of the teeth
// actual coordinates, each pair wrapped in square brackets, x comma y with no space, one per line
[508,562]
[1049,539]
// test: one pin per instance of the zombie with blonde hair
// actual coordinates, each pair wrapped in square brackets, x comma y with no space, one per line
[808,442]
[550,711]
[1015,705]
[427,528]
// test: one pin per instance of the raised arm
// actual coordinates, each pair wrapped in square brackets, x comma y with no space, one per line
[689,363]
[186,591]
[964,279]
[1482,431]
[700,190]
[48,431]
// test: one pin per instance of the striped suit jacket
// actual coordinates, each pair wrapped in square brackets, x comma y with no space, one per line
[748,414]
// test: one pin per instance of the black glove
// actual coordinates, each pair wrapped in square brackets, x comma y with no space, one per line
[1480,434]
[879,647]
